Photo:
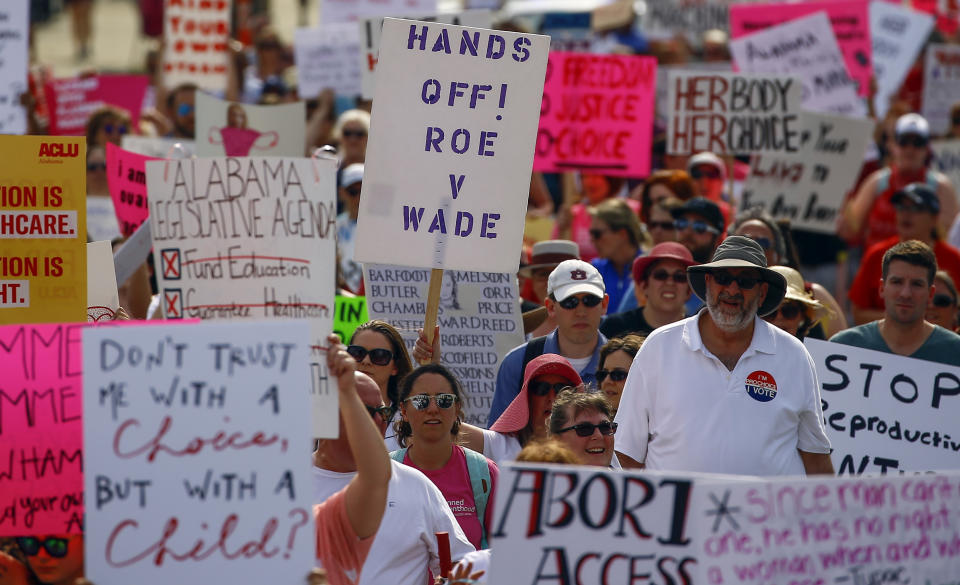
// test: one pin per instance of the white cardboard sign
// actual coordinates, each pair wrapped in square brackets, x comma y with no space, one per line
[195,38]
[327,57]
[808,187]
[451,147]
[807,49]
[15,32]
[946,158]
[333,11]
[691,18]
[941,85]
[235,129]
[102,297]
[195,439]
[887,413]
[897,34]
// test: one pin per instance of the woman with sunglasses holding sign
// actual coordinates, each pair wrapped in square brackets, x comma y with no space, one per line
[583,422]
[431,407]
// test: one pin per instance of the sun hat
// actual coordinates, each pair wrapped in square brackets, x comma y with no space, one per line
[572,277]
[740,252]
[549,253]
[707,158]
[797,291]
[662,251]
[920,195]
[516,416]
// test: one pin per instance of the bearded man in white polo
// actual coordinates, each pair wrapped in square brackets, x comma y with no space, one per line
[724,391]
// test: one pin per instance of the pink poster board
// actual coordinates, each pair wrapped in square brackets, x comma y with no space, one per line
[41,437]
[851,25]
[127,179]
[597,114]
[71,101]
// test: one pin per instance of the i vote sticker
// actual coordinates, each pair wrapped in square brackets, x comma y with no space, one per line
[761,386]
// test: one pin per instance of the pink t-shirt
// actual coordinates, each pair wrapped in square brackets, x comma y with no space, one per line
[339,548]
[453,480]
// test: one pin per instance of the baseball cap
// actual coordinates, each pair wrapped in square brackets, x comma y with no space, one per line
[572,277]
[912,124]
[707,158]
[351,174]
[920,195]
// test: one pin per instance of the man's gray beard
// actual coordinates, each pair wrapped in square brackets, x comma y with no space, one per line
[733,323]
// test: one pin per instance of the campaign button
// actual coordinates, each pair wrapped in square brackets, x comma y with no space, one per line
[761,386]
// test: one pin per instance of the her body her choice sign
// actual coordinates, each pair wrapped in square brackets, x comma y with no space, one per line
[451,146]
[196,439]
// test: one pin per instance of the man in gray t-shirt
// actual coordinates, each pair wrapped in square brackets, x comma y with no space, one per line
[906,288]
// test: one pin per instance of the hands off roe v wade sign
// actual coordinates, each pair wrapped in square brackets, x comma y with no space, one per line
[451,146]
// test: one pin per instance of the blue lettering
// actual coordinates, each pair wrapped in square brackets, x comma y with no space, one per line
[422,37]
[487,225]
[412,216]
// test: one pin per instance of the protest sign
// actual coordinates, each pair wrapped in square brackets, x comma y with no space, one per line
[350,313]
[805,48]
[101,218]
[41,462]
[43,228]
[887,413]
[15,32]
[691,18]
[72,101]
[808,187]
[850,20]
[133,253]
[451,147]
[946,158]
[663,73]
[728,113]
[248,238]
[159,147]
[195,439]
[597,114]
[479,319]
[898,33]
[102,297]
[569,31]
[327,57]
[941,86]
[195,38]
[127,179]
[334,11]
[235,129]
[372,28]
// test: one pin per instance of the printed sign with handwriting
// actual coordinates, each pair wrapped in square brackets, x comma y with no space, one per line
[729,113]
[127,180]
[597,114]
[195,439]
[898,34]
[451,146]
[14,59]
[941,86]
[41,461]
[43,229]
[327,57]
[196,36]
[691,18]
[72,101]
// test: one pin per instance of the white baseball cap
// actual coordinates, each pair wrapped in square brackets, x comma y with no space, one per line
[912,124]
[572,277]
[351,174]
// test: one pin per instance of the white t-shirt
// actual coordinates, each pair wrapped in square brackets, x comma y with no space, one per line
[499,447]
[405,546]
[580,363]
[390,437]
[682,410]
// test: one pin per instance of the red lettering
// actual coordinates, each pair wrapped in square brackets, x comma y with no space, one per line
[220,441]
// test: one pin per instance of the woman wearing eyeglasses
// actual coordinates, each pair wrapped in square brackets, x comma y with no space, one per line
[798,312]
[56,559]
[942,309]
[583,422]
[431,407]
[381,354]
[616,356]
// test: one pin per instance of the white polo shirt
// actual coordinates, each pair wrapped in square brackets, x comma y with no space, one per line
[683,410]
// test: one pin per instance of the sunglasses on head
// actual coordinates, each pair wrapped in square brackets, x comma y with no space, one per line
[725,278]
[422,401]
[541,388]
[55,547]
[705,173]
[662,275]
[184,109]
[660,225]
[616,374]
[379,357]
[383,411]
[586,429]
[572,302]
[912,140]
[698,226]
[354,133]
[788,311]
[943,301]
[353,190]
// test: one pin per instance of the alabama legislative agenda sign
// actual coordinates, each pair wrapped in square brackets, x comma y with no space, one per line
[451,146]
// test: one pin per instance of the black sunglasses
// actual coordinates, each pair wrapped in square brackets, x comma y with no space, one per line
[379,357]
[661,225]
[120,128]
[353,133]
[616,374]
[383,411]
[902,205]
[725,278]
[698,226]
[586,429]
[597,234]
[55,547]
[572,302]
[541,388]
[422,401]
[788,310]
[353,190]
[943,301]
[662,275]
[764,243]
[913,140]
[707,173]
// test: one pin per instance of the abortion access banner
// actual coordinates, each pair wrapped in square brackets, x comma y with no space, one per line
[72,101]
[195,438]
[887,413]
[451,147]
[597,114]
[941,85]
[196,50]
[479,319]
[808,187]
[243,239]
[236,129]
[127,181]
[898,34]
[14,59]
[327,57]
[807,49]
[730,113]
[41,462]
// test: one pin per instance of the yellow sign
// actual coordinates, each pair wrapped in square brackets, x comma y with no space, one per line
[43,229]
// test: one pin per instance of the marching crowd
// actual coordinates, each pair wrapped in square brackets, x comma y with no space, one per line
[664,324]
